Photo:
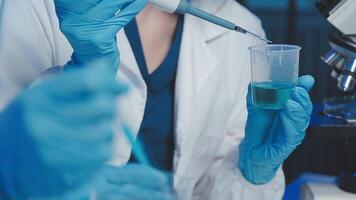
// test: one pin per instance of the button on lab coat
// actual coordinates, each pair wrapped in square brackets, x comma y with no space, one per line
[210,100]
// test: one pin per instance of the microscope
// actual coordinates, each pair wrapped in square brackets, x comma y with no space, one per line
[341,110]
[342,57]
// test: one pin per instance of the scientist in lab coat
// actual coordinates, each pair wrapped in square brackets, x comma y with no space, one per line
[210,83]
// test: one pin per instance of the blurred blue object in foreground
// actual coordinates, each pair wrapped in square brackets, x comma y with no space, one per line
[57,130]
[131,181]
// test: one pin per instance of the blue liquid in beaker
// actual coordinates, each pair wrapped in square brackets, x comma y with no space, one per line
[271,94]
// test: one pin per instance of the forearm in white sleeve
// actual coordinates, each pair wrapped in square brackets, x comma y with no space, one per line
[229,183]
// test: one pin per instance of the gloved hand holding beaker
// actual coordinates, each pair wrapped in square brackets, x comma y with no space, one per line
[279,110]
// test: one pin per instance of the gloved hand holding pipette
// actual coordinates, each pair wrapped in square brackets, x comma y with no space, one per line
[272,135]
[91,26]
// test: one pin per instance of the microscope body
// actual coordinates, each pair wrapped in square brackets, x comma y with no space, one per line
[342,56]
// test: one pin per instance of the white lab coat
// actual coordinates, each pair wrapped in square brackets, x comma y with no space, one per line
[210,107]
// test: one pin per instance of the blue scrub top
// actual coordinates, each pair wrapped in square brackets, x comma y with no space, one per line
[157,129]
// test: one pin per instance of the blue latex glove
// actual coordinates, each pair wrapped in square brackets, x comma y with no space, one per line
[137,182]
[91,26]
[272,135]
[133,181]
[55,130]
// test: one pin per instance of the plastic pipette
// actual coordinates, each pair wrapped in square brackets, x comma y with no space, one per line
[137,148]
[183,7]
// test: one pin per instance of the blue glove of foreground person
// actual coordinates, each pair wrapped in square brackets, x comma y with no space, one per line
[272,135]
[137,182]
[91,26]
[55,130]
[130,182]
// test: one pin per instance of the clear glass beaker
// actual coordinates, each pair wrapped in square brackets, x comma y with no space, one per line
[275,71]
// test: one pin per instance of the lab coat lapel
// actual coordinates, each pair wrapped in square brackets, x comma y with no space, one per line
[196,65]
[128,62]
[131,105]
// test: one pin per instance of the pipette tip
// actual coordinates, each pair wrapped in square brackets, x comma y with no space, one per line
[259,37]
[244,31]
[266,40]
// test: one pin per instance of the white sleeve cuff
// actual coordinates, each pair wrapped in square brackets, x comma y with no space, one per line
[230,183]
